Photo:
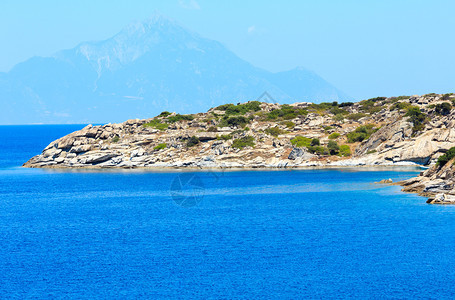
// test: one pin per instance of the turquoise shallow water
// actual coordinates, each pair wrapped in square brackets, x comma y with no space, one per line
[268,234]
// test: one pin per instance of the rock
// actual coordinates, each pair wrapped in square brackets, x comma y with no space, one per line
[385,181]
[300,153]
[65,142]
[80,149]
[96,157]
[441,199]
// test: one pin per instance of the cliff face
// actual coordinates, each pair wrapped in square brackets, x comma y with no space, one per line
[380,131]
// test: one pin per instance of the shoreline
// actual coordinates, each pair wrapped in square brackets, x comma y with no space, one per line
[223,169]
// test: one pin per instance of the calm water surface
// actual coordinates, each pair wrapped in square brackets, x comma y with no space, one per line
[268,234]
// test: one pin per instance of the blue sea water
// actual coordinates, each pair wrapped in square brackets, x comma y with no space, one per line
[250,234]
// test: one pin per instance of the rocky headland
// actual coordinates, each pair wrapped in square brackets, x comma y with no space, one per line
[405,130]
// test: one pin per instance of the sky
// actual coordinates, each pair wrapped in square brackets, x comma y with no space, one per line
[365,48]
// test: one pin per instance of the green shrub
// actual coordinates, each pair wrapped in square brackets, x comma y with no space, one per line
[377,99]
[327,128]
[372,151]
[301,141]
[334,136]
[288,124]
[430,95]
[345,104]
[274,131]
[447,96]
[286,112]
[243,142]
[443,108]
[160,146]
[234,121]
[164,114]
[212,129]
[156,124]
[399,106]
[179,117]
[345,150]
[336,110]
[356,116]
[361,133]
[369,105]
[318,150]
[224,137]
[323,106]
[401,98]
[417,118]
[115,139]
[192,141]
[333,147]
[445,158]
[338,117]
[315,142]
[240,109]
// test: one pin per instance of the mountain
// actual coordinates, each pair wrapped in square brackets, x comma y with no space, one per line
[147,68]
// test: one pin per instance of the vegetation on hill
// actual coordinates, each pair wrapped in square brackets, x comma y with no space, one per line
[445,158]
[361,133]
[246,141]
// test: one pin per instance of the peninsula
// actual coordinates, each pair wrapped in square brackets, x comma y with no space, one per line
[404,130]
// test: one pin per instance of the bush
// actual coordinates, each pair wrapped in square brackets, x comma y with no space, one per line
[164,114]
[179,117]
[160,146]
[333,147]
[286,112]
[400,98]
[361,133]
[334,136]
[338,117]
[212,129]
[447,96]
[301,141]
[192,141]
[318,150]
[235,121]
[240,109]
[156,124]
[115,139]
[443,108]
[224,137]
[356,116]
[288,124]
[345,104]
[315,142]
[417,118]
[400,106]
[243,142]
[445,158]
[345,150]
[324,106]
[336,110]
[369,105]
[377,99]
[274,131]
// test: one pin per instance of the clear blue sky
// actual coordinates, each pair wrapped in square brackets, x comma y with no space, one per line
[366,48]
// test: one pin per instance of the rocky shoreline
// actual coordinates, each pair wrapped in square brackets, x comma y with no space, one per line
[395,131]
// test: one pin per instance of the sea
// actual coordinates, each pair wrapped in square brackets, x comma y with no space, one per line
[268,234]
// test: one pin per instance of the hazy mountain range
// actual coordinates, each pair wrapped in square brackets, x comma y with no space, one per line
[146,68]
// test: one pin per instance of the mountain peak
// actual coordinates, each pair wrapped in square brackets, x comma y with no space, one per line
[150,66]
[156,22]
